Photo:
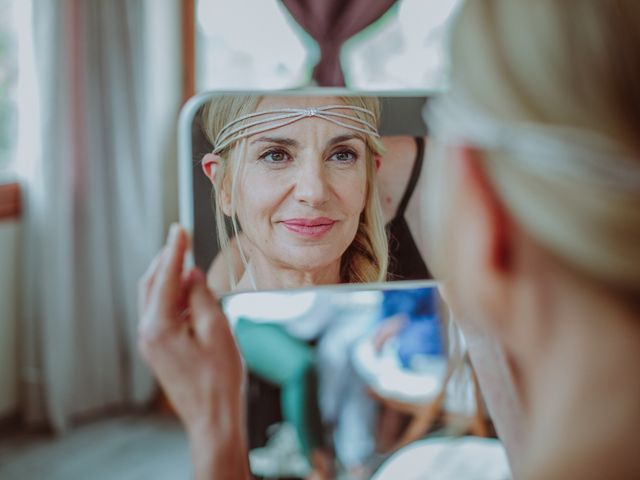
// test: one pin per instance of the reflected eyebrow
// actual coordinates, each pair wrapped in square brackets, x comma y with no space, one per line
[345,138]
[288,142]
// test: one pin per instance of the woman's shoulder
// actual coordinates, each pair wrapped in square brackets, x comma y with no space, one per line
[396,170]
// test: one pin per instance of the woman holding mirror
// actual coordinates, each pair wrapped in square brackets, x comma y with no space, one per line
[532,212]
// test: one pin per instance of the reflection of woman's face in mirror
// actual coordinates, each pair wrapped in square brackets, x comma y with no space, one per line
[302,193]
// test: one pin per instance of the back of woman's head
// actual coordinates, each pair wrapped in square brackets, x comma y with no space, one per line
[569,70]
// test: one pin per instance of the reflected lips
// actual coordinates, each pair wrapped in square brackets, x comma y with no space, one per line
[309,227]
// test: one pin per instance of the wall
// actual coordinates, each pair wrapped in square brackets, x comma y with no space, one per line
[9,289]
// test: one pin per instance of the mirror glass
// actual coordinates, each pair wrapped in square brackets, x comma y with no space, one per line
[303,188]
[350,371]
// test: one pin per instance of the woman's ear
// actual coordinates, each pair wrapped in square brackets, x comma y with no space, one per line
[210,167]
[378,159]
[481,245]
[210,164]
[489,209]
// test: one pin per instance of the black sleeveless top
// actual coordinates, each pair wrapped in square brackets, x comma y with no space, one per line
[405,261]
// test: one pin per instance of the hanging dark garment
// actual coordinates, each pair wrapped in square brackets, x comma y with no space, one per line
[331,23]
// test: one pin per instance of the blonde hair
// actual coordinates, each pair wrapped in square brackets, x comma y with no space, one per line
[561,63]
[366,258]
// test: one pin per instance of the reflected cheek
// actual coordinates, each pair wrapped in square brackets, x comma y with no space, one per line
[354,203]
[256,206]
[353,191]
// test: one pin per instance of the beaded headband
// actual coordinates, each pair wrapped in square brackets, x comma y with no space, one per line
[237,129]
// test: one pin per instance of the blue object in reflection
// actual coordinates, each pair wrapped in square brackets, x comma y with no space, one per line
[421,333]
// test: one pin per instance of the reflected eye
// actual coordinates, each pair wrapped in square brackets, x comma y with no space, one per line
[344,156]
[275,156]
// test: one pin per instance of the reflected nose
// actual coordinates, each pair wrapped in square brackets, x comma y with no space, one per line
[311,184]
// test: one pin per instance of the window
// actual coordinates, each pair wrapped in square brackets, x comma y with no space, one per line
[267,49]
[263,49]
[405,49]
[8,85]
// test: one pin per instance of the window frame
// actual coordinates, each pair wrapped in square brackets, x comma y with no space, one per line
[10,201]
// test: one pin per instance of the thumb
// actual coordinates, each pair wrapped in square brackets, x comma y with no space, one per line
[206,314]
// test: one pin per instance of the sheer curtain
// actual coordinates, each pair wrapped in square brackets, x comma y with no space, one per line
[94,211]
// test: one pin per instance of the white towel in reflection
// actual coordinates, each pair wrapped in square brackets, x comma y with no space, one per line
[468,458]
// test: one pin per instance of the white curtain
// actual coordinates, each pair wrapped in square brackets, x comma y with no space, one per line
[94,211]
